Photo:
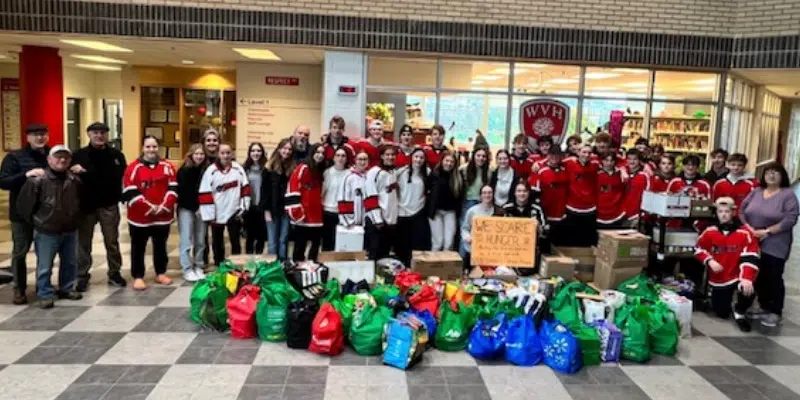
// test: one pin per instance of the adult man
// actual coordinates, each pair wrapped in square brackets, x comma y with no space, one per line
[18,166]
[719,158]
[300,142]
[51,203]
[100,168]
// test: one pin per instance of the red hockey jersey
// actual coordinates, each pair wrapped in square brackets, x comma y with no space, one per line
[330,149]
[638,182]
[148,184]
[610,192]
[695,187]
[735,188]
[521,164]
[733,246]
[371,150]
[582,178]
[304,197]
[552,186]
[658,183]
[621,161]
[403,157]
[434,155]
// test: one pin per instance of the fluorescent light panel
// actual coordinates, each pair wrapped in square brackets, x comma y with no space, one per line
[99,67]
[96,45]
[704,81]
[257,54]
[635,84]
[98,59]
[187,62]
[562,81]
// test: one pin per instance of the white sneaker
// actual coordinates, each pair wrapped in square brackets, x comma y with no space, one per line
[190,275]
[198,272]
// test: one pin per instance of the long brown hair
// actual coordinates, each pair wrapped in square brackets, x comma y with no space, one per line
[455,178]
[472,168]
[187,160]
[279,166]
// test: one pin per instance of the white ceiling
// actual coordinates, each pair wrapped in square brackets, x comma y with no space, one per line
[783,82]
[205,54]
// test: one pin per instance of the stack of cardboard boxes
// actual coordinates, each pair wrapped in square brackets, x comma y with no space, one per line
[621,255]
[444,264]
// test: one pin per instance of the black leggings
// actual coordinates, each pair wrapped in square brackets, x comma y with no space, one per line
[769,284]
[302,236]
[139,237]
[218,239]
[413,233]
[722,296]
[581,229]
[329,223]
[256,228]
[380,240]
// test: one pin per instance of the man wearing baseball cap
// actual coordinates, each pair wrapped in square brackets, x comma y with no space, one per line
[51,203]
[17,166]
[100,168]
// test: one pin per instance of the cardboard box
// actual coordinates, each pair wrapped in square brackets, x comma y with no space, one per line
[584,273]
[677,237]
[344,265]
[584,255]
[559,265]
[444,264]
[330,256]
[349,239]
[623,248]
[666,205]
[607,277]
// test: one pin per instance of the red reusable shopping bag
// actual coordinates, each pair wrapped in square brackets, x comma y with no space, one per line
[425,299]
[242,312]
[404,280]
[327,334]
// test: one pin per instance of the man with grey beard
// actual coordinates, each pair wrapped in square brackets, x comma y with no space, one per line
[299,140]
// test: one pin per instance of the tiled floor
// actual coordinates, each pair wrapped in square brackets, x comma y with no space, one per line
[117,344]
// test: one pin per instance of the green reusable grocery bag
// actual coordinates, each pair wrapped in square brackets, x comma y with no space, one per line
[664,329]
[366,330]
[631,320]
[200,292]
[271,310]
[265,273]
[452,334]
[345,307]
[566,308]
[641,286]
[589,340]
[333,291]
[382,293]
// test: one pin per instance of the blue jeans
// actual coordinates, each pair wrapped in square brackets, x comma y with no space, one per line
[278,235]
[464,207]
[192,239]
[47,245]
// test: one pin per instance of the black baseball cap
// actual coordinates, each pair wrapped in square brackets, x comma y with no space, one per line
[556,151]
[97,126]
[36,128]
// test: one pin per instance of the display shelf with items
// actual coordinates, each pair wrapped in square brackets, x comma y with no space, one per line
[632,130]
[161,118]
[682,127]
[393,117]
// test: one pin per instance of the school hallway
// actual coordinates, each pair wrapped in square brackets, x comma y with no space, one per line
[119,344]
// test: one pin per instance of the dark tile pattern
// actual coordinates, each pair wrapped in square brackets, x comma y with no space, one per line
[35,319]
[72,348]
[745,382]
[217,348]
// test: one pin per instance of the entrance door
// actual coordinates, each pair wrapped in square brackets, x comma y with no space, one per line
[112,116]
[74,124]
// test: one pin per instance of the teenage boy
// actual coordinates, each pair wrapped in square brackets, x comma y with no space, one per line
[405,147]
[638,182]
[51,203]
[337,139]
[520,159]
[730,251]
[374,141]
[551,185]
[435,151]
[602,146]
[735,184]
[17,166]
[582,198]
[99,166]
[610,193]
[543,146]
[719,158]
[689,180]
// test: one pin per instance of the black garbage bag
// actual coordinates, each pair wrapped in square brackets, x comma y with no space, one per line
[299,317]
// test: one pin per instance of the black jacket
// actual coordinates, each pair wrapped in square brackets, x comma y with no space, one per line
[189,187]
[51,203]
[712,177]
[440,195]
[102,181]
[273,191]
[12,174]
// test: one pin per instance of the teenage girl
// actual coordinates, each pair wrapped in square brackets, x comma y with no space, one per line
[521,205]
[254,222]
[333,179]
[273,192]
[475,175]
[444,194]
[503,179]
[413,231]
[304,204]
[351,193]
[484,208]
[192,229]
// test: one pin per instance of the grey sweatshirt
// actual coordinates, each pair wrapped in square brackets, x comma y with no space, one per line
[761,213]
[478,210]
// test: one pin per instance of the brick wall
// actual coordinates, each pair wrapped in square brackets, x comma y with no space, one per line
[700,17]
[766,18]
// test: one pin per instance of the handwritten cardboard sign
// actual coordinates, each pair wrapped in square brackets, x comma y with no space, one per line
[503,241]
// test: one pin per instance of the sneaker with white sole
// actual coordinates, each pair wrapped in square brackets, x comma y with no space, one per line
[756,315]
[771,320]
[190,276]
[198,271]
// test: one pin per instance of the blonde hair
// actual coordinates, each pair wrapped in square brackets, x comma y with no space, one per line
[187,160]
[725,202]
[276,164]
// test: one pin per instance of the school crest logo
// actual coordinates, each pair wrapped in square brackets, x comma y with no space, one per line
[544,117]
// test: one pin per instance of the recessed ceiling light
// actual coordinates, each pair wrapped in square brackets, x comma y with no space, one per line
[635,84]
[630,71]
[96,45]
[704,81]
[257,54]
[562,81]
[99,67]
[487,77]
[99,59]
[187,62]
[600,75]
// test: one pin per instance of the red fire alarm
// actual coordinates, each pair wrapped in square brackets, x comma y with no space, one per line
[348,90]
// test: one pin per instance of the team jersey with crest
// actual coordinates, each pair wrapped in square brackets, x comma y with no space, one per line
[610,192]
[582,185]
[659,183]
[147,184]
[434,155]
[224,193]
[351,199]
[381,200]
[732,245]
[551,185]
[638,182]
[330,149]
[695,187]
[304,198]
[736,188]
[521,164]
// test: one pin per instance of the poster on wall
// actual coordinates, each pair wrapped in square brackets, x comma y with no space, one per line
[269,120]
[544,117]
[10,114]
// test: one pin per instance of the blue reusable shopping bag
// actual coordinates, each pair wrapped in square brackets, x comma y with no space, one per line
[488,338]
[523,346]
[561,350]
[429,320]
[399,344]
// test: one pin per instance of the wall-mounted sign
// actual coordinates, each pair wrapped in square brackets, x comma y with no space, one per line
[10,114]
[282,80]
[544,117]
[348,90]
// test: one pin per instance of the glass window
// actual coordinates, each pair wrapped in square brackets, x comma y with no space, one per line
[546,79]
[729,91]
[597,114]
[475,75]
[682,127]
[463,114]
[686,85]
[616,82]
[400,71]
[396,108]
[515,117]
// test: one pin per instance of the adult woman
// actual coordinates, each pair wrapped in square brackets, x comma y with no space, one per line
[771,212]
[475,175]
[413,231]
[254,223]
[503,178]
[522,206]
[444,194]
[304,203]
[273,190]
[211,141]
[332,182]
[484,208]
[224,197]
[381,204]
[351,193]
[405,146]
[150,191]
[192,229]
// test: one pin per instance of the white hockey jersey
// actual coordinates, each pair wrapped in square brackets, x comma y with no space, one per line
[224,194]
[382,200]
[351,199]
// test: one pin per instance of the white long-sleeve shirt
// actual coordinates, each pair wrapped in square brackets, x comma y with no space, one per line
[412,194]
[381,201]
[331,186]
[351,199]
